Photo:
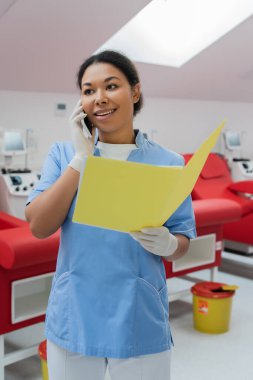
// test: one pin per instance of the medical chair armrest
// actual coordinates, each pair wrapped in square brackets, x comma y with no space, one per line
[8,221]
[241,187]
[19,248]
[215,211]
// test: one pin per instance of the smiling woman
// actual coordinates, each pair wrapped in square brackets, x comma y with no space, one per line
[110,96]
[108,99]
[109,303]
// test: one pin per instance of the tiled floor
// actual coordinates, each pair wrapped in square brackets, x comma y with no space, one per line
[196,356]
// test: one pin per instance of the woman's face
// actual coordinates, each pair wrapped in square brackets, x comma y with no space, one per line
[108,99]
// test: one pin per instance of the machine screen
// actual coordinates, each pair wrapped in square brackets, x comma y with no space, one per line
[16,180]
[13,142]
[232,140]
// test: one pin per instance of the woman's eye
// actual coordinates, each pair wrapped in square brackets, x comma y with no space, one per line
[112,86]
[88,91]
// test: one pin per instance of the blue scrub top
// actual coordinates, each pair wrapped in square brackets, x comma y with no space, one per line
[109,295]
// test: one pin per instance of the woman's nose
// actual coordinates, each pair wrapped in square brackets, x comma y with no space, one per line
[101,97]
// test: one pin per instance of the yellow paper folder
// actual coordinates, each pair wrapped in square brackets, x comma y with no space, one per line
[127,196]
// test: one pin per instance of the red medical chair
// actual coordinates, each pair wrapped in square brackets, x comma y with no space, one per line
[205,251]
[27,265]
[215,182]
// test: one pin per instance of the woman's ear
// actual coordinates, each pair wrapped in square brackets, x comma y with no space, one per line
[136,92]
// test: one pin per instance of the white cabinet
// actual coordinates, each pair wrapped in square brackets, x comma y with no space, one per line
[201,252]
[29,297]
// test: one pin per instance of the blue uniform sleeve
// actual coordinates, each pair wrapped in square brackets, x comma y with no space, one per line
[50,173]
[182,221]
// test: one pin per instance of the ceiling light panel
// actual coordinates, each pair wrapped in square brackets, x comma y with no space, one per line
[171,32]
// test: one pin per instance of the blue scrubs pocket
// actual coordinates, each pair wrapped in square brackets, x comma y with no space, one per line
[165,301]
[58,307]
[151,318]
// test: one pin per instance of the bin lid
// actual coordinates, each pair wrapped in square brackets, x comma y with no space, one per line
[211,290]
[43,350]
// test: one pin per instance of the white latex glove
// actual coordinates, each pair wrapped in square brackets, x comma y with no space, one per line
[83,145]
[157,240]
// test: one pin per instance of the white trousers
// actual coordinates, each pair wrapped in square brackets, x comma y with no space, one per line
[64,365]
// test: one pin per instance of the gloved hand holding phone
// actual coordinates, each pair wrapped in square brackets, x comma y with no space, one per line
[82,139]
[157,240]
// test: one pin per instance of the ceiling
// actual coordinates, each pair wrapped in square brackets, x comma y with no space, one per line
[43,43]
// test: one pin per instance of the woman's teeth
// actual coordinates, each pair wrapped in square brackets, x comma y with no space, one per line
[104,113]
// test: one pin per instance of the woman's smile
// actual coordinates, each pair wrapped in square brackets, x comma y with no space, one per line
[104,114]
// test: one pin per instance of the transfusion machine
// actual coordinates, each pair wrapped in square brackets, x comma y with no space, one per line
[241,168]
[15,184]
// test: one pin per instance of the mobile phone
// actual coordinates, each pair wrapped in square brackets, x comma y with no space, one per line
[87,127]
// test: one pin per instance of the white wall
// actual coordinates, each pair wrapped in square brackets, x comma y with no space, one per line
[177,124]
[36,111]
[182,125]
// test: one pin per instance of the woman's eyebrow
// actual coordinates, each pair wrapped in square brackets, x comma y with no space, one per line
[106,80]
[110,78]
